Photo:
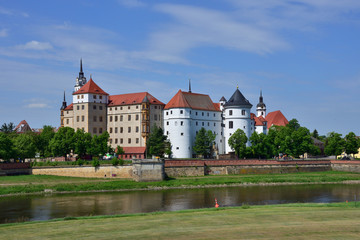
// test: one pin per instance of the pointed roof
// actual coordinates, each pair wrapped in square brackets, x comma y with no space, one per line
[276,118]
[222,99]
[64,105]
[132,98]
[261,103]
[23,126]
[90,87]
[193,101]
[237,99]
[70,107]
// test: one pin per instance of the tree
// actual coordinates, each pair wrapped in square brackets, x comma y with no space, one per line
[7,128]
[293,124]
[315,134]
[260,146]
[204,142]
[82,143]
[99,144]
[334,144]
[158,143]
[63,142]
[43,141]
[25,145]
[351,144]
[237,142]
[7,150]
[119,150]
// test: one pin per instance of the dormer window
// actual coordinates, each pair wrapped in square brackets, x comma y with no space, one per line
[100,97]
[94,96]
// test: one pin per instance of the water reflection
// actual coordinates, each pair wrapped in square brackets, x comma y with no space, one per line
[56,206]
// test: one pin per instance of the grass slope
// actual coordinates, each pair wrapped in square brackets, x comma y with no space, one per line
[37,183]
[291,221]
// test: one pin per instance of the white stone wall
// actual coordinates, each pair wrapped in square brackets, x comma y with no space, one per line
[182,124]
[239,121]
[89,97]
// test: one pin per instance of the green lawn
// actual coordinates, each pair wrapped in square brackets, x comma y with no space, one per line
[37,183]
[291,221]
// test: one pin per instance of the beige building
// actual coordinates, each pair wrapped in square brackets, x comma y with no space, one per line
[128,118]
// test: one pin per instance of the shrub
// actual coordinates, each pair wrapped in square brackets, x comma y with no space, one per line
[80,162]
[121,162]
[95,163]
[115,161]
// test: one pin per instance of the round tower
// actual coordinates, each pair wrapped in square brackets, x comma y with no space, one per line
[236,116]
[261,107]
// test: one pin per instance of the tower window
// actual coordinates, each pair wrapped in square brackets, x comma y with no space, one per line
[100,118]
[129,129]
[129,108]
[100,130]
[137,129]
[182,134]
[116,130]
[243,112]
[230,112]
[196,113]
[94,130]
[82,118]
[110,118]
[129,140]
[202,114]
[137,117]
[181,111]
[82,107]
[129,117]
[100,97]
[202,123]
[167,123]
[94,96]
[100,107]
[208,114]
[167,113]
[121,141]
[94,118]
[94,107]
[137,140]
[110,130]
[77,118]
[231,124]
[116,140]
[77,107]
[182,123]
[121,118]
[121,129]
[116,118]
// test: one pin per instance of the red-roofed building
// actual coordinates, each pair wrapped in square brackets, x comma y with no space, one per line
[23,127]
[276,118]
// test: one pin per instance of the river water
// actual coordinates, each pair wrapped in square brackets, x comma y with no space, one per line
[44,207]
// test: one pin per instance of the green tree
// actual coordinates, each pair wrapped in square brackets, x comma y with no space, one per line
[157,143]
[43,141]
[351,144]
[7,127]
[260,146]
[99,144]
[237,142]
[334,144]
[82,143]
[63,142]
[204,142]
[25,145]
[315,134]
[7,150]
[119,150]
[293,124]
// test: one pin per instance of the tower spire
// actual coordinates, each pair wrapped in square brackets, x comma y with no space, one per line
[64,105]
[189,85]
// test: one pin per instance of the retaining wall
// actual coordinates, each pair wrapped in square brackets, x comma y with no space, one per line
[86,171]
[345,166]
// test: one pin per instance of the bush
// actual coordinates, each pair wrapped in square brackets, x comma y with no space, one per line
[115,161]
[80,162]
[121,162]
[95,163]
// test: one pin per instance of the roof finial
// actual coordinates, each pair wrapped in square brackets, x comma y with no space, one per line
[237,86]
[64,95]
[91,76]
[81,69]
[189,85]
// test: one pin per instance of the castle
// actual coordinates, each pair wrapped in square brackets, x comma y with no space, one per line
[129,118]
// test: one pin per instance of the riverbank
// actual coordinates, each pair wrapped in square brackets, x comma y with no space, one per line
[286,221]
[37,184]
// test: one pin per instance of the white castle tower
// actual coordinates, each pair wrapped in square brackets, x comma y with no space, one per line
[261,107]
[81,79]
[237,116]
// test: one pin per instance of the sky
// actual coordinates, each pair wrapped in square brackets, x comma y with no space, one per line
[302,54]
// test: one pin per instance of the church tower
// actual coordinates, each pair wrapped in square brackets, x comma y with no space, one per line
[64,105]
[81,79]
[261,107]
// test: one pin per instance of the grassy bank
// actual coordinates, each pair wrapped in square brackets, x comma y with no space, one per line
[37,183]
[290,221]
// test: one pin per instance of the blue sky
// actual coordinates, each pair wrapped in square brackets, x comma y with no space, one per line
[303,54]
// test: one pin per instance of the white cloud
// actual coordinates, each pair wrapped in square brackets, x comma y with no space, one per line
[37,105]
[3,32]
[9,12]
[35,45]
[132,3]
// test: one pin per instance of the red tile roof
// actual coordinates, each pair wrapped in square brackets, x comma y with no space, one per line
[132,98]
[70,107]
[217,106]
[260,121]
[276,118]
[133,150]
[23,126]
[90,87]
[193,101]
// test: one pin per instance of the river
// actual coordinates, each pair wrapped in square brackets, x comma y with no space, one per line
[44,207]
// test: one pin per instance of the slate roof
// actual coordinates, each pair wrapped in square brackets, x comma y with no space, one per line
[192,100]
[237,99]
[90,87]
[276,118]
[132,98]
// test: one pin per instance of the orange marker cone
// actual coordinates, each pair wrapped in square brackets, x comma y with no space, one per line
[216,204]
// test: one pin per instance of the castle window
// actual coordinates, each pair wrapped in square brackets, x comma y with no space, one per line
[167,132]
[129,140]
[116,118]
[170,112]
[82,118]
[100,118]
[137,129]
[94,96]
[181,111]
[78,96]
[129,117]
[196,123]
[155,117]
[208,114]
[110,118]
[182,123]
[110,141]
[137,117]
[94,107]
[128,107]
[244,127]
[167,123]
[94,130]
[100,97]
[116,130]
[100,130]
[77,107]
[82,96]
[230,112]
[129,129]
[202,123]
[243,112]
[167,113]
[77,118]
[196,113]
[137,140]
[121,118]
[121,141]
[137,107]
[67,121]
[115,108]
[82,107]
[110,130]
[208,124]
[116,140]
[110,109]
[214,114]
[120,108]
[94,118]
[231,124]
[182,134]
[100,107]
[202,114]
[214,124]
[155,107]
[121,129]
[197,132]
